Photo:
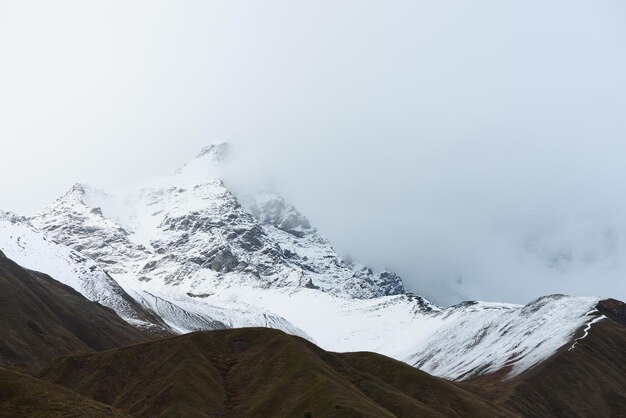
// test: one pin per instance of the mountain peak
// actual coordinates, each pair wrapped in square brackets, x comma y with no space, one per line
[76,193]
[77,189]
[215,152]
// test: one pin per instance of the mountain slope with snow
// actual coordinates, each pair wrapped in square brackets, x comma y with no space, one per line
[188,249]
[33,249]
[42,319]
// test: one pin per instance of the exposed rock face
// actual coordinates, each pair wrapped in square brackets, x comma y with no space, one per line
[190,224]
[614,309]
[272,210]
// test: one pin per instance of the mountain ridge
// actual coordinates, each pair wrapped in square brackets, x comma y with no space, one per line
[197,256]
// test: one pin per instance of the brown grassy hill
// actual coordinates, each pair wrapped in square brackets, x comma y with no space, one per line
[259,372]
[586,381]
[42,319]
[25,396]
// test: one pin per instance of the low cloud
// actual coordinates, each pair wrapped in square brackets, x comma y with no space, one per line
[477,149]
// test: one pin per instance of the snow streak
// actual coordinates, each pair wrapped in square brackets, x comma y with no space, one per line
[588,327]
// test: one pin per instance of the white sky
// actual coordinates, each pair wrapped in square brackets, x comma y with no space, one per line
[477,148]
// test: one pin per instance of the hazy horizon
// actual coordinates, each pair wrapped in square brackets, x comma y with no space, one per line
[476,149]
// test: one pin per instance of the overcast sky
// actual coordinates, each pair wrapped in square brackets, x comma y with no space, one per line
[477,148]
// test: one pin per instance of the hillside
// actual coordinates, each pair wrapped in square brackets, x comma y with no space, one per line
[257,372]
[25,396]
[35,250]
[583,379]
[43,319]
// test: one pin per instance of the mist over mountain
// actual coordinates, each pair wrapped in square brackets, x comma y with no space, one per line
[476,149]
[481,236]
[498,232]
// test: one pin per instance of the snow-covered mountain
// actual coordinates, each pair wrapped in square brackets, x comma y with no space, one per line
[190,251]
[190,227]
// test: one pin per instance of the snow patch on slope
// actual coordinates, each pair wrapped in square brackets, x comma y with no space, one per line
[481,338]
[32,249]
[587,328]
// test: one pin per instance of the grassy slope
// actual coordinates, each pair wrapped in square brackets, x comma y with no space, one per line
[589,380]
[25,396]
[444,396]
[258,372]
[42,319]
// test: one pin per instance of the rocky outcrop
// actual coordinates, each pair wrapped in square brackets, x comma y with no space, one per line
[613,309]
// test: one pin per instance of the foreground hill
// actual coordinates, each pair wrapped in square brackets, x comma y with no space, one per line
[263,372]
[42,319]
[257,372]
[25,396]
